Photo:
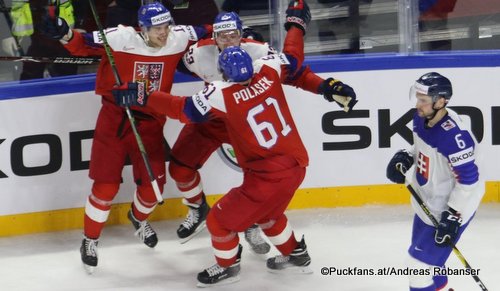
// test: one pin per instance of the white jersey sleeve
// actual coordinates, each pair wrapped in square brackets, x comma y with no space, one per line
[201,59]
[273,61]
[204,101]
[127,39]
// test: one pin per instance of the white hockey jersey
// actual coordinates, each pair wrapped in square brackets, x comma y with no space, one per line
[134,60]
[446,172]
[202,57]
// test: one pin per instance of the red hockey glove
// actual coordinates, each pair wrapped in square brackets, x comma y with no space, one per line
[298,15]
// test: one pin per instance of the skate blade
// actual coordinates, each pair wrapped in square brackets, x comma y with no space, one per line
[292,270]
[89,269]
[198,230]
[221,283]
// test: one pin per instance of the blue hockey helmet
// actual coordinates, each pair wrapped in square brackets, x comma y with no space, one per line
[227,21]
[153,14]
[434,85]
[235,64]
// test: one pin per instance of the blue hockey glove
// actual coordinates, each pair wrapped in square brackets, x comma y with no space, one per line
[54,27]
[398,165]
[448,227]
[130,94]
[335,90]
[297,14]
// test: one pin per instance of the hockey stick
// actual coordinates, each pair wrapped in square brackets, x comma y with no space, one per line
[8,18]
[53,60]
[434,221]
[130,116]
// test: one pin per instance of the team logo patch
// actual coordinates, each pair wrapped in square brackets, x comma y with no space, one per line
[448,124]
[149,74]
[423,169]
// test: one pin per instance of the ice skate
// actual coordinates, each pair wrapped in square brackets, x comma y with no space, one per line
[254,238]
[88,251]
[297,262]
[194,222]
[217,275]
[144,231]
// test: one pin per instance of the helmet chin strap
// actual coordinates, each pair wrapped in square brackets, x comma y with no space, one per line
[435,111]
[145,36]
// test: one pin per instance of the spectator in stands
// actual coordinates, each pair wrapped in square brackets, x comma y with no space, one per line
[26,18]
[434,16]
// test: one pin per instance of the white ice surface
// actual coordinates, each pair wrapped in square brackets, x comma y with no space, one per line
[366,237]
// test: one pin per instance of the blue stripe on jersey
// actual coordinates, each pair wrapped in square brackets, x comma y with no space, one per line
[467,174]
[292,67]
[192,112]
[443,138]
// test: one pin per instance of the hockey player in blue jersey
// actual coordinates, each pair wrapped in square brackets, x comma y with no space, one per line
[443,169]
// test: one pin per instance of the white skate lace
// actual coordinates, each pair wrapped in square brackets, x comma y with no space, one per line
[192,218]
[91,247]
[215,270]
[253,236]
[144,231]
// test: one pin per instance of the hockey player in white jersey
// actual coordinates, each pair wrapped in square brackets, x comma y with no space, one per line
[197,142]
[443,169]
[201,59]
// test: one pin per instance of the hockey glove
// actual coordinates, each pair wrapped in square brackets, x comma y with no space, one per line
[398,165]
[130,94]
[447,230]
[335,90]
[250,33]
[54,27]
[297,14]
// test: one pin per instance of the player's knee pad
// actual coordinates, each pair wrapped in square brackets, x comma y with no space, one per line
[104,191]
[421,276]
